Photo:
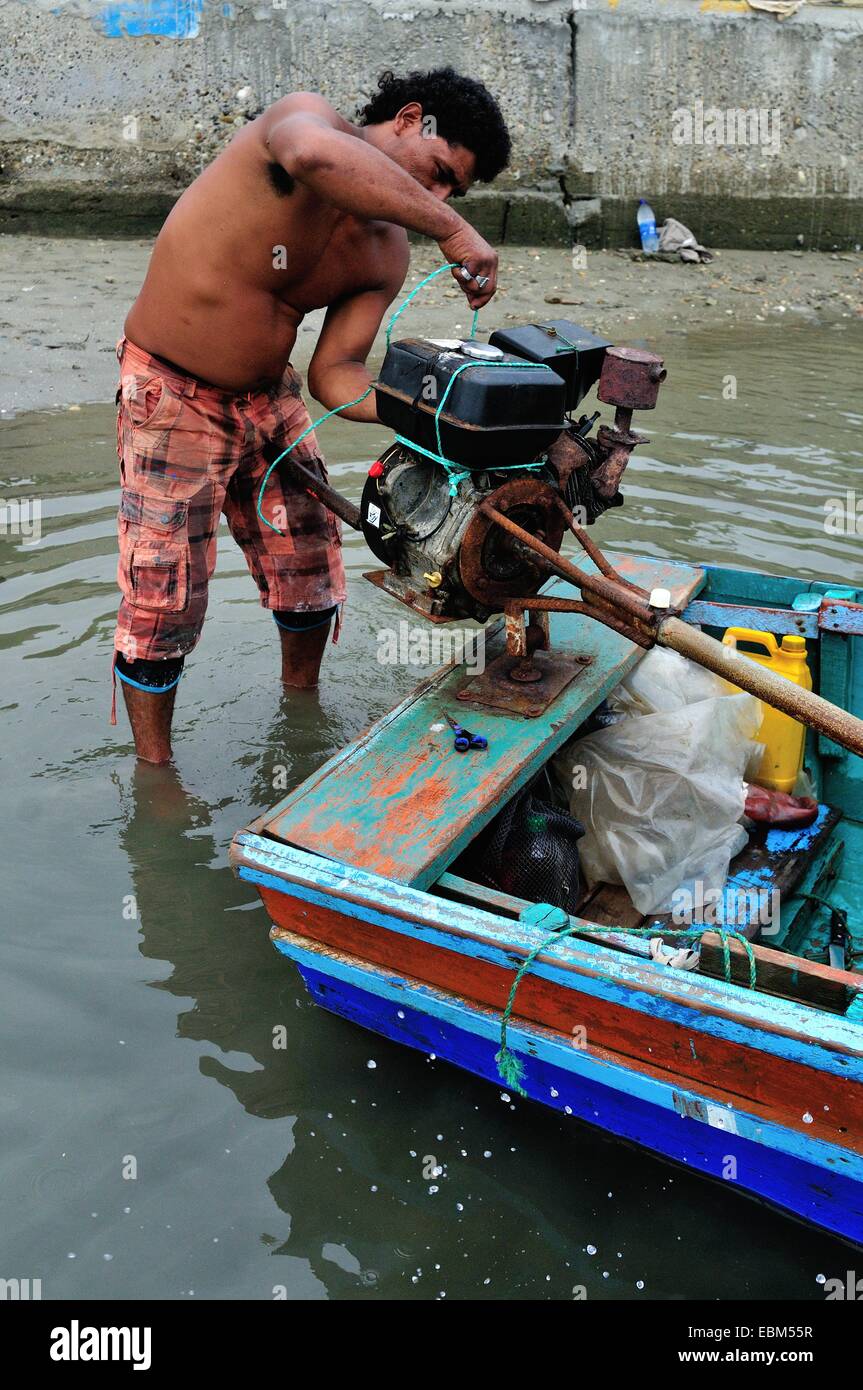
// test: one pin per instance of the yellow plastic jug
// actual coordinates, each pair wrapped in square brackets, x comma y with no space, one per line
[782,736]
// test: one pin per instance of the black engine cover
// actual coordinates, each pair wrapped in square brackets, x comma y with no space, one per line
[571,351]
[498,409]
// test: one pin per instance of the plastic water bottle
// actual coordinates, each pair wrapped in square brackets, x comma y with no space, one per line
[647,228]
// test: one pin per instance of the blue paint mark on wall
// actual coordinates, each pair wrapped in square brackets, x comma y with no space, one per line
[175,19]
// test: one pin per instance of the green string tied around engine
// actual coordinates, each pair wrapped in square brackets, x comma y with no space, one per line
[453,472]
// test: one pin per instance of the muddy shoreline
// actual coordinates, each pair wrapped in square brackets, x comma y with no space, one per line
[62,303]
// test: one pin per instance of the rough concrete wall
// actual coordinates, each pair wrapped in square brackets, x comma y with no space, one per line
[802,77]
[109,107]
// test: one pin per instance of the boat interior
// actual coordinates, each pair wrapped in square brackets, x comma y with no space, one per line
[817,872]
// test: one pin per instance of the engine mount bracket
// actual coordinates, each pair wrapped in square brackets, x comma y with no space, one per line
[496,689]
[423,600]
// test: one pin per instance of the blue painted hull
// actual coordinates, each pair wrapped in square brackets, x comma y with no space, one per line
[820,1187]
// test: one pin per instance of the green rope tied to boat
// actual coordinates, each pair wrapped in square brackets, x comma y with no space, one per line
[725,936]
[450,265]
[510,1069]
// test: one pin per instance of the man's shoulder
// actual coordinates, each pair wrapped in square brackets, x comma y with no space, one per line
[305,103]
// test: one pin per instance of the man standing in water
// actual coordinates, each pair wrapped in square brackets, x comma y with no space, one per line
[302,210]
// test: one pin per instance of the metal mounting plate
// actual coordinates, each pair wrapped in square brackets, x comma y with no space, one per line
[495,690]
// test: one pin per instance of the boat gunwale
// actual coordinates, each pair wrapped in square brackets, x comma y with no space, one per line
[822,1034]
[696,1135]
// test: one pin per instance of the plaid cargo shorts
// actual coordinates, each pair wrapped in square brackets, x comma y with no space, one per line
[188,452]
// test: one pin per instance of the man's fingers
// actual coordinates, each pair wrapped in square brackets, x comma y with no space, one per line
[479,298]
[466,274]
[477,289]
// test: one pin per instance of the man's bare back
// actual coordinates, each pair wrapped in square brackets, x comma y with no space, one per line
[256,243]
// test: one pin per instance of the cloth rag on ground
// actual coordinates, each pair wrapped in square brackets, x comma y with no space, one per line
[674,238]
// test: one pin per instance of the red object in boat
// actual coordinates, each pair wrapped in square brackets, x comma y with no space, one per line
[376,469]
[779,808]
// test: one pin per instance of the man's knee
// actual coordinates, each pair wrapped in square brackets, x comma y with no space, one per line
[156,677]
[307,621]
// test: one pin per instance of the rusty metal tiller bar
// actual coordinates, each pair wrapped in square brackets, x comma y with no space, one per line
[603,594]
[774,690]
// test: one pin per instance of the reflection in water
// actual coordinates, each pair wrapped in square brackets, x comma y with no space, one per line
[321,1179]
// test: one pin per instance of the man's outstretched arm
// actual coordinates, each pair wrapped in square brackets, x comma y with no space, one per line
[355,177]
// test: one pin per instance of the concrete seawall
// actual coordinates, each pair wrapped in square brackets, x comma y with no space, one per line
[744,127]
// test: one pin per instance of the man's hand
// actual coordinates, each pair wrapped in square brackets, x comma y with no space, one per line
[467,248]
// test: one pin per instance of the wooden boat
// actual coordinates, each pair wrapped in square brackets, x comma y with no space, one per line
[759,1086]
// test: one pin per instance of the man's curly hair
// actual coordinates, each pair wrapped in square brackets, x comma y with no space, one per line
[464,110]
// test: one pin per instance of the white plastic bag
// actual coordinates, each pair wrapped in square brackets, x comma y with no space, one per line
[661,792]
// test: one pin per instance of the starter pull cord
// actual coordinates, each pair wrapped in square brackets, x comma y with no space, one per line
[451,265]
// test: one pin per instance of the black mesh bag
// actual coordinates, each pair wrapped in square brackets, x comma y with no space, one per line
[529,850]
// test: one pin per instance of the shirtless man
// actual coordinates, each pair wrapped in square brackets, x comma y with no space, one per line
[302,210]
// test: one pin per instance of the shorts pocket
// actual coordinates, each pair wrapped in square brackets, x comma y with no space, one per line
[156,577]
[165,514]
[152,405]
[166,439]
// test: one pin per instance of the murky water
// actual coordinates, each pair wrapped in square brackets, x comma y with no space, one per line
[154,1142]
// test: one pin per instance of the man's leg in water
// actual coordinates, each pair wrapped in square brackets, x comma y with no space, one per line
[149,691]
[304,639]
[170,505]
[296,559]
[150,717]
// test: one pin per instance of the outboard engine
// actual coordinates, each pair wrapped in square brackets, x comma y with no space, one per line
[477,422]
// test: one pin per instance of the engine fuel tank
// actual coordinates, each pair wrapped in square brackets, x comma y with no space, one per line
[572,351]
[496,409]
